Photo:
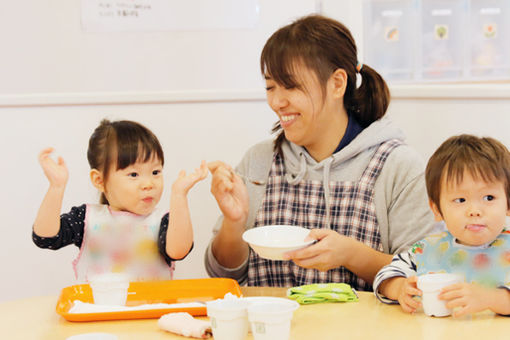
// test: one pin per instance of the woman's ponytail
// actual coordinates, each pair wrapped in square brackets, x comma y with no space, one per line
[371,99]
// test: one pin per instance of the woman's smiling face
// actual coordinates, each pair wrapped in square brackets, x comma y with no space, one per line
[304,110]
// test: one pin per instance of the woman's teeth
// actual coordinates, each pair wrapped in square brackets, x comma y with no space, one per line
[288,118]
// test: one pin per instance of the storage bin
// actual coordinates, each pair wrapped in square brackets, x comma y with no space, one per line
[489,35]
[437,40]
[389,42]
[443,23]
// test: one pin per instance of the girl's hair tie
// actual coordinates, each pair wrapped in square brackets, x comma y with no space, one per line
[359,66]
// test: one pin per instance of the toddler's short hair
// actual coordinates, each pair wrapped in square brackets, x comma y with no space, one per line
[118,144]
[484,158]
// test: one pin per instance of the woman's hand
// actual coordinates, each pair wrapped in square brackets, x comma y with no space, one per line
[56,172]
[334,250]
[230,192]
[330,251]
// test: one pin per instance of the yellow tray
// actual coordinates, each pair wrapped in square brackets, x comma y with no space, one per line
[139,293]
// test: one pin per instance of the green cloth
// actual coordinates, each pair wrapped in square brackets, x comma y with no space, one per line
[322,292]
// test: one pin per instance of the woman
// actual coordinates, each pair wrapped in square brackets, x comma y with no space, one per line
[336,167]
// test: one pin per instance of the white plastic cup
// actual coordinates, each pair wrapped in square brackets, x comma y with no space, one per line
[110,289]
[431,285]
[229,318]
[271,320]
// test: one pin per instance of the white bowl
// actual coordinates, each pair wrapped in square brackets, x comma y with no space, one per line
[271,242]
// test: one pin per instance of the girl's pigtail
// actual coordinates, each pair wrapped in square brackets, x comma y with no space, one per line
[98,153]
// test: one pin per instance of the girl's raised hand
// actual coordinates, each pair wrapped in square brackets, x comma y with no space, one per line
[229,191]
[185,182]
[56,172]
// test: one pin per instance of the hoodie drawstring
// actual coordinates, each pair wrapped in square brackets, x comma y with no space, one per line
[325,183]
[302,171]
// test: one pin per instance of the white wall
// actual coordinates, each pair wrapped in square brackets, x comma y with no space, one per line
[215,119]
[201,92]
[188,133]
[45,50]
[428,122]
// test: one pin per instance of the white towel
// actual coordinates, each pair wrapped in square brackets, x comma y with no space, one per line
[185,324]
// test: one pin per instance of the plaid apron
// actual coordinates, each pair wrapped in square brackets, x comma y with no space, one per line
[352,213]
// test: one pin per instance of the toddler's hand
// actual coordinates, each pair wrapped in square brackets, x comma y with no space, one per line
[185,182]
[407,290]
[56,172]
[469,297]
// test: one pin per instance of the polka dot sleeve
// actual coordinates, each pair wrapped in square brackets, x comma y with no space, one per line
[71,230]
[162,241]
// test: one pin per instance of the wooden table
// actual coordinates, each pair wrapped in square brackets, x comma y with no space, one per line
[35,318]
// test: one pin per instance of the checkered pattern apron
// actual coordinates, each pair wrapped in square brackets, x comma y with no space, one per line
[352,214]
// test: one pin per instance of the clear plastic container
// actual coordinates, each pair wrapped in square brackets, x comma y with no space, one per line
[389,37]
[443,26]
[110,289]
[489,35]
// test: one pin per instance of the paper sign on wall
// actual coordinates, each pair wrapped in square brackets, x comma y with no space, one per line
[168,15]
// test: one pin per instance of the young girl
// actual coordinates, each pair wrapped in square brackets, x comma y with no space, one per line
[336,166]
[125,232]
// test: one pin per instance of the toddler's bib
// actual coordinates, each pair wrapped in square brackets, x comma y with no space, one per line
[121,242]
[487,266]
